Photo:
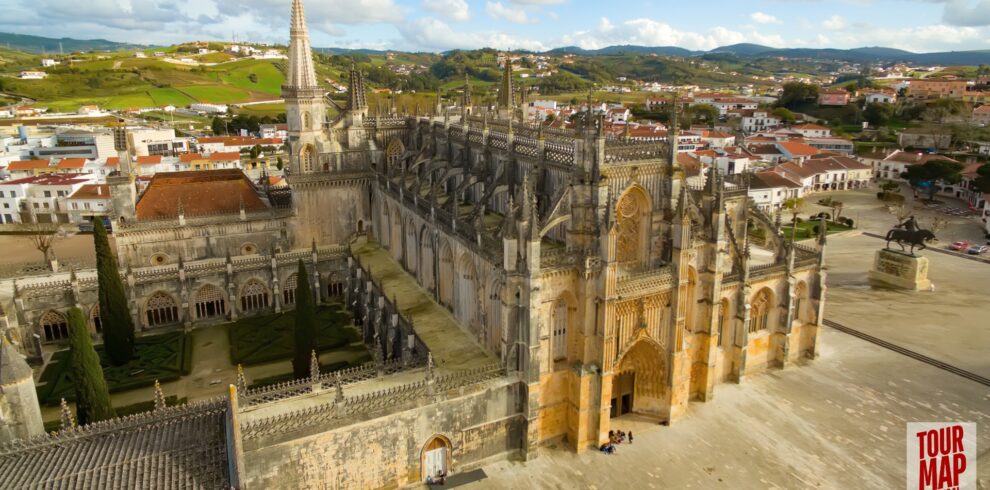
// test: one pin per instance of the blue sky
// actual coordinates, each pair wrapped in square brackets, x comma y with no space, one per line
[436,25]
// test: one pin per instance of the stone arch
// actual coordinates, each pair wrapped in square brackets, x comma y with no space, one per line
[446,279]
[307,159]
[563,325]
[632,226]
[95,320]
[161,310]
[494,313]
[54,326]
[335,285]
[690,300]
[435,456]
[210,302]
[393,155]
[289,289]
[426,259]
[254,296]
[466,292]
[639,377]
[412,248]
[761,311]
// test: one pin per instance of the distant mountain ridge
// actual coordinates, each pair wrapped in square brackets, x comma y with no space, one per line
[39,44]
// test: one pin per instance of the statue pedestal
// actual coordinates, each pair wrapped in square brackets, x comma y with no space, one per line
[900,270]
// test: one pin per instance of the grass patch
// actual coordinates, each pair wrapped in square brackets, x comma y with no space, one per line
[266,77]
[132,409]
[268,338]
[165,357]
[166,96]
[805,229]
[218,94]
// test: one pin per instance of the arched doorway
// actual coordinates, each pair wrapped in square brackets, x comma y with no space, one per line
[435,459]
[638,381]
[210,303]
[307,159]
[96,320]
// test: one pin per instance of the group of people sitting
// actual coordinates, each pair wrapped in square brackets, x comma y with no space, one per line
[615,438]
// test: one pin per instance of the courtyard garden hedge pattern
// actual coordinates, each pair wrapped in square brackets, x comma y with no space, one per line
[268,338]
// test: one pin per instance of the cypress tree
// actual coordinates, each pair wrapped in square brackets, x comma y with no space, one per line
[92,395]
[305,328]
[118,327]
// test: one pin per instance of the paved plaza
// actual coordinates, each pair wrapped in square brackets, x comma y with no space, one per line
[837,422]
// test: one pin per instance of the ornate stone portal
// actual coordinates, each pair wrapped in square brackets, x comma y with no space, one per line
[900,270]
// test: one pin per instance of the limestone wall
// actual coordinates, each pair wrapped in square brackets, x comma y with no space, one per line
[386,452]
[329,212]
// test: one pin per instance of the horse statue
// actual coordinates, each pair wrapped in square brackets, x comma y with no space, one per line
[915,238]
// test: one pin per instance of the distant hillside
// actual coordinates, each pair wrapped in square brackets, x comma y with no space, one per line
[38,44]
[743,49]
[626,49]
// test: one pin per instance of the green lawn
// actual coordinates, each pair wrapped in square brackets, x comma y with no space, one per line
[262,109]
[219,94]
[268,338]
[165,357]
[805,229]
[269,78]
[166,96]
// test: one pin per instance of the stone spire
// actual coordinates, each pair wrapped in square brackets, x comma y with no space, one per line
[67,422]
[506,101]
[356,98]
[302,73]
[159,397]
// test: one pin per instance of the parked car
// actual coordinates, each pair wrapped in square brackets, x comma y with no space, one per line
[977,249]
[959,246]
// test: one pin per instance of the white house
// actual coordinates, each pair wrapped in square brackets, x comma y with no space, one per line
[32,75]
[759,121]
[89,201]
[812,130]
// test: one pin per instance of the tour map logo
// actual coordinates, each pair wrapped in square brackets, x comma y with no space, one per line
[941,456]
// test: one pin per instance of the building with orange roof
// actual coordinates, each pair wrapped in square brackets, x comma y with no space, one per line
[40,198]
[27,168]
[89,201]
[796,150]
[200,193]
[981,115]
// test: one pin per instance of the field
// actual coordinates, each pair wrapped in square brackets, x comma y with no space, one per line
[272,109]
[219,94]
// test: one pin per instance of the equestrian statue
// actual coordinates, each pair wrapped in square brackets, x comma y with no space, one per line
[908,232]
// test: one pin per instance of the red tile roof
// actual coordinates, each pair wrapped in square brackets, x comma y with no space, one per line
[201,193]
[770,179]
[113,161]
[224,156]
[71,163]
[27,165]
[189,157]
[798,149]
[48,179]
[149,160]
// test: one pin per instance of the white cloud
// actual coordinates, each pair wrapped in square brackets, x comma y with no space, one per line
[451,9]
[498,11]
[537,2]
[761,18]
[433,34]
[967,12]
[835,23]
[648,32]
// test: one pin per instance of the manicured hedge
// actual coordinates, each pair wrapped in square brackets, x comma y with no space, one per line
[269,338]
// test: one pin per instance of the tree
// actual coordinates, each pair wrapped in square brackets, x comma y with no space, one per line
[218,126]
[279,164]
[931,172]
[42,236]
[877,114]
[305,328]
[784,114]
[118,326]
[796,94]
[982,181]
[833,204]
[887,188]
[701,113]
[792,205]
[92,395]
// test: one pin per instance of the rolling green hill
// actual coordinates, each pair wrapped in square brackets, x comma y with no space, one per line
[38,44]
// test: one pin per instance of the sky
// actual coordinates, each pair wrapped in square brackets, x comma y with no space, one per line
[439,25]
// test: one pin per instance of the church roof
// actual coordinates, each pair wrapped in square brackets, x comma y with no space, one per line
[176,448]
[204,192]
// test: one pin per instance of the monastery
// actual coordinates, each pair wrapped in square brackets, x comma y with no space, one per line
[518,286]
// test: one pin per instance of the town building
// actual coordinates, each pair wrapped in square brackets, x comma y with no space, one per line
[936,88]
[833,98]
